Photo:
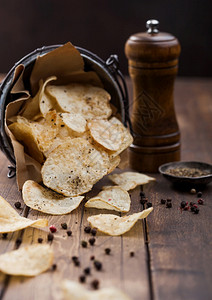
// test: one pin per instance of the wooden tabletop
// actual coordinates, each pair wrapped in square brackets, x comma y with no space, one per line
[172,248]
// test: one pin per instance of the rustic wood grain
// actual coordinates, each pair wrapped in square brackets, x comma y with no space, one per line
[179,241]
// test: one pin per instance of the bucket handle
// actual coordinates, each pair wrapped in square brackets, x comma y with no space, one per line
[113,64]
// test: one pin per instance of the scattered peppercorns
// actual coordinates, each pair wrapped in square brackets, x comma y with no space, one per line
[18,204]
[84,244]
[97,265]
[92,241]
[107,251]
[182,204]
[40,240]
[53,229]
[87,229]
[64,225]
[95,284]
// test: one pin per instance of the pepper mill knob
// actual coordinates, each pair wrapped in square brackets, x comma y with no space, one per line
[153,65]
[152,26]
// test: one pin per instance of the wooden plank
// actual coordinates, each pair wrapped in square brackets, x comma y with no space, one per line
[179,241]
[119,269]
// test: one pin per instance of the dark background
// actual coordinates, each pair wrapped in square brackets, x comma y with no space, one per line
[103,26]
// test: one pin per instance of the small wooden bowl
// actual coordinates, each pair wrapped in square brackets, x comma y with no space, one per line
[184,180]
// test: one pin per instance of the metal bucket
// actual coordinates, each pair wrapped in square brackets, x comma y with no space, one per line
[108,72]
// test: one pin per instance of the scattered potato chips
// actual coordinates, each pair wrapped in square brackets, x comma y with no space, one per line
[47,201]
[129,180]
[75,291]
[27,261]
[11,221]
[74,167]
[115,225]
[113,198]
[90,101]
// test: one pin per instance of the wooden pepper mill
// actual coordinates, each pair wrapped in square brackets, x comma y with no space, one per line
[153,65]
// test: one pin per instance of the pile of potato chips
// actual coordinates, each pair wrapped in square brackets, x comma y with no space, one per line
[70,131]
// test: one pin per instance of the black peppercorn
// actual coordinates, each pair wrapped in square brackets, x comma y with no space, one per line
[143,200]
[149,204]
[18,242]
[107,251]
[92,257]
[97,265]
[82,278]
[168,204]
[93,231]
[199,194]
[84,244]
[69,232]
[18,204]
[183,204]
[40,240]
[95,284]
[87,270]
[196,210]
[64,226]
[92,241]
[132,254]
[87,229]
[163,201]
[142,195]
[54,267]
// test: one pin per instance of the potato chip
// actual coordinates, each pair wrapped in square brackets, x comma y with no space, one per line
[24,134]
[108,133]
[37,104]
[75,122]
[11,221]
[47,201]
[89,101]
[129,180]
[113,198]
[74,167]
[27,261]
[75,291]
[115,225]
